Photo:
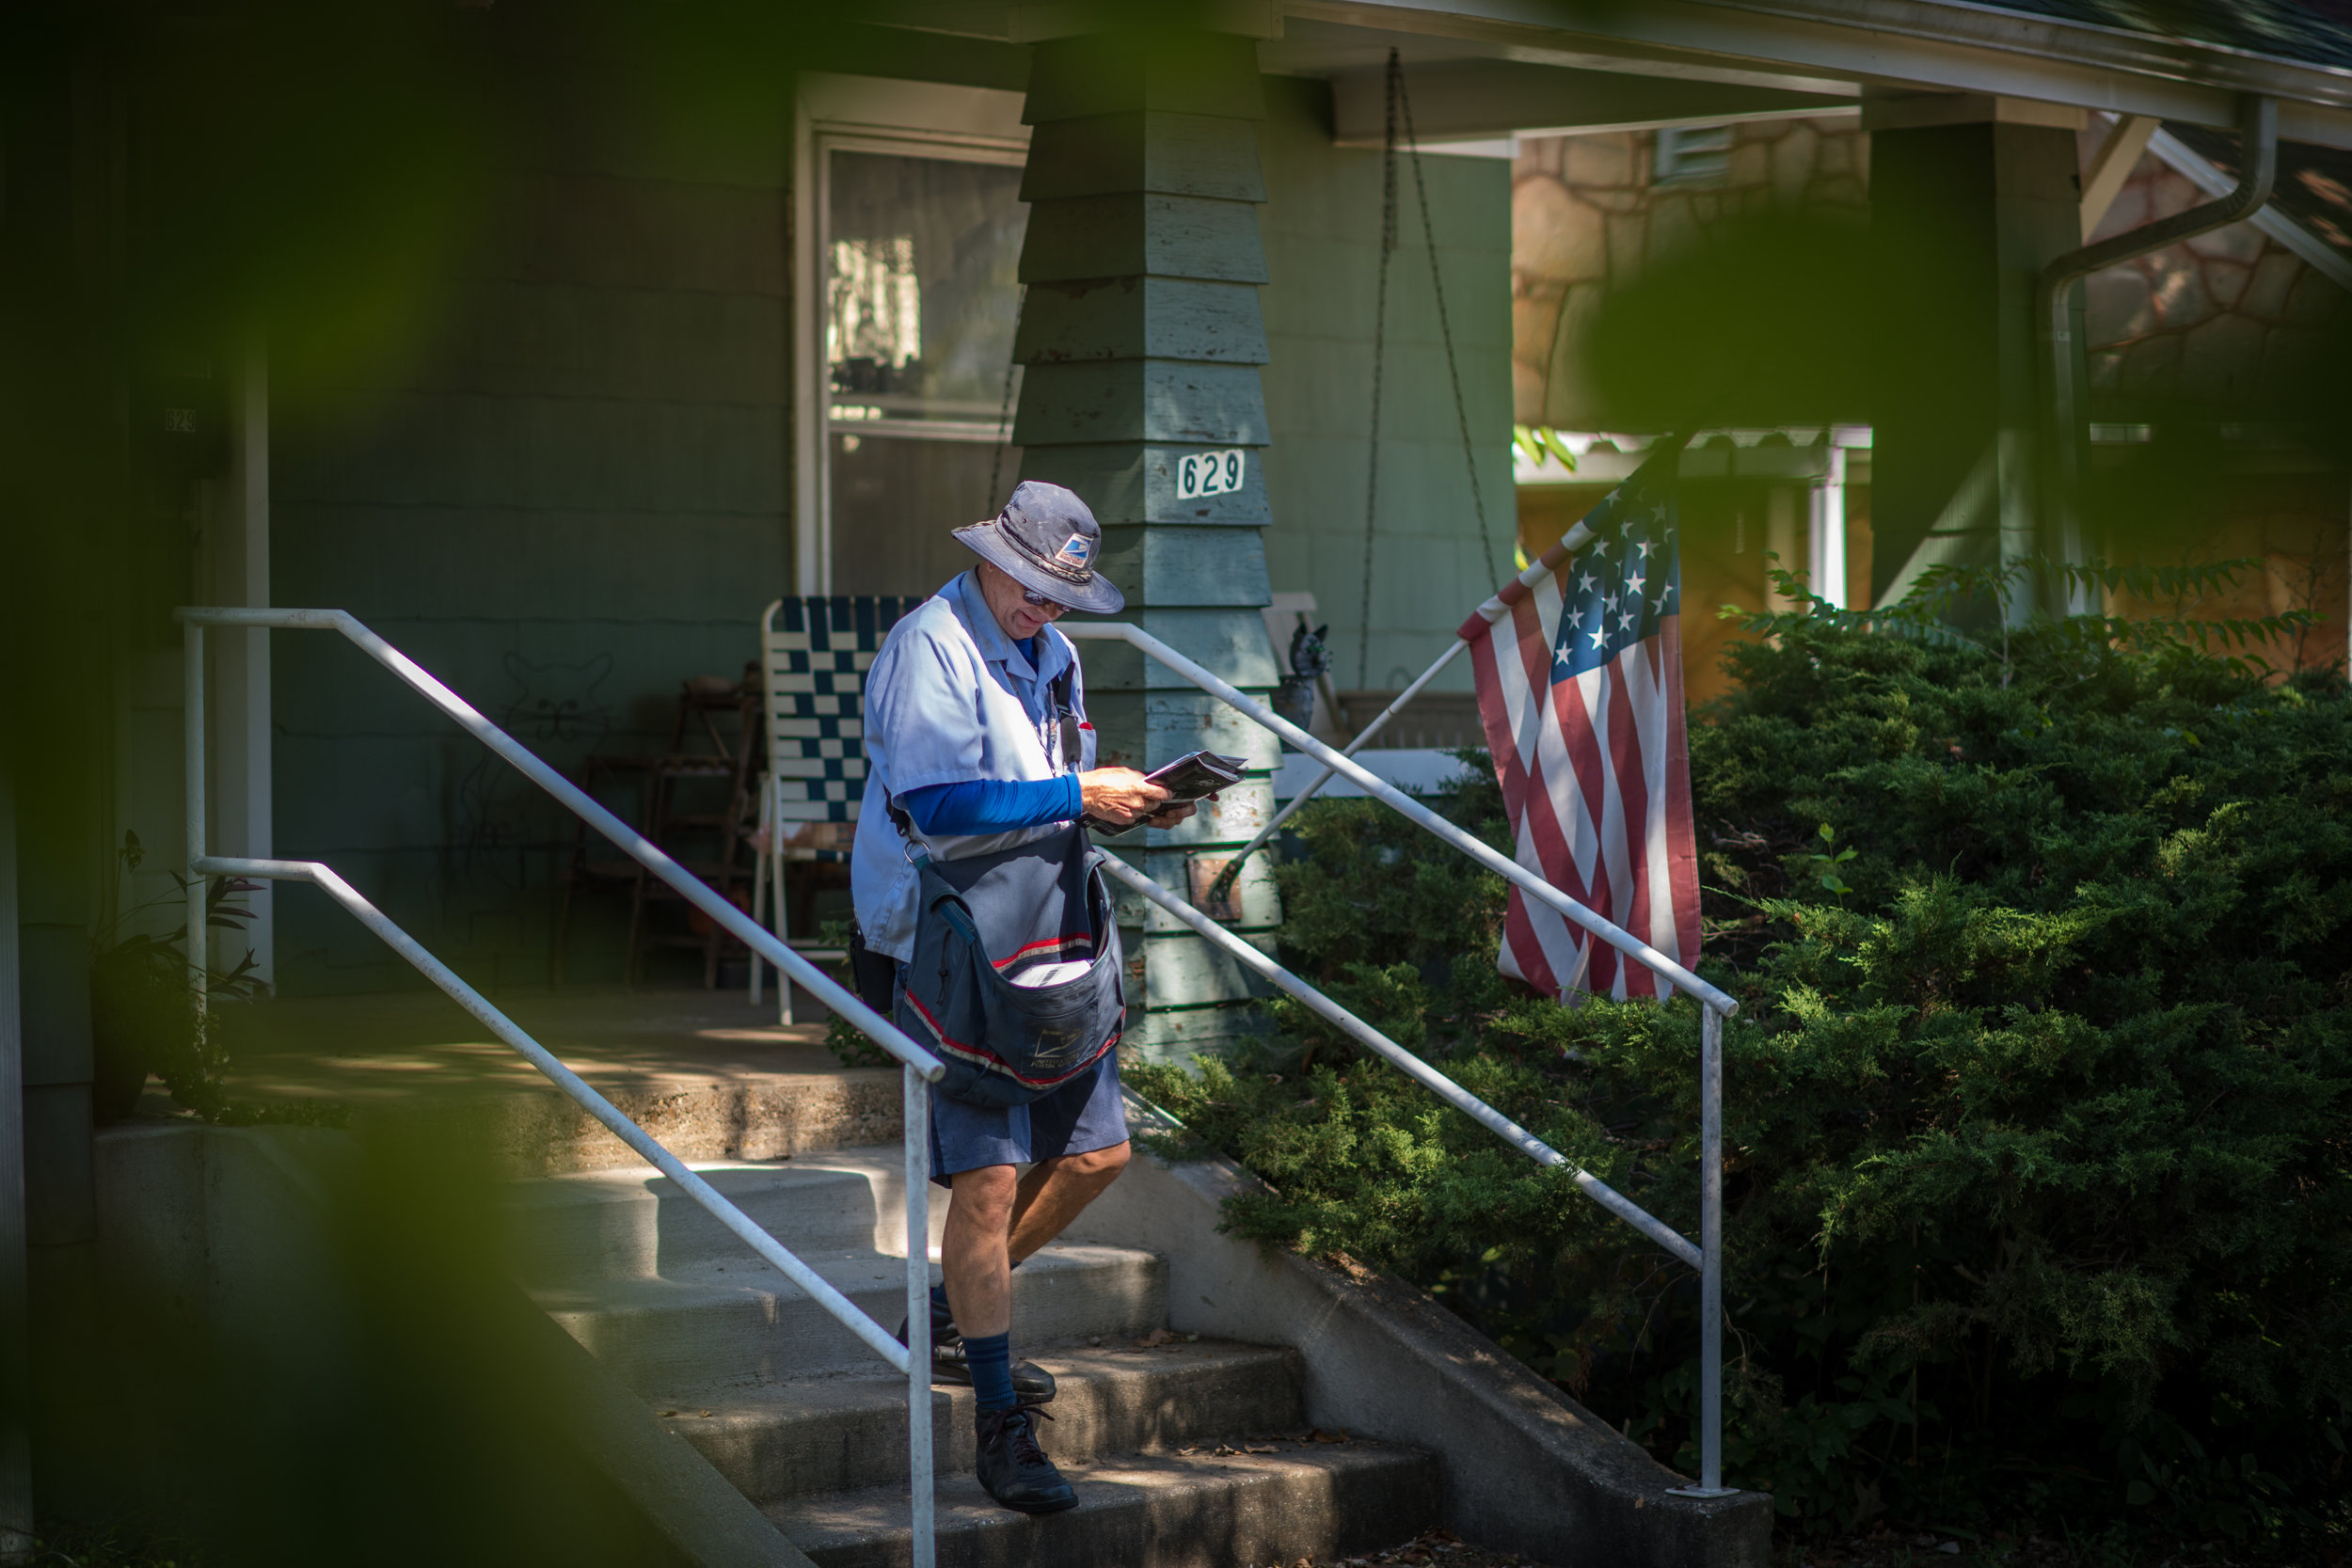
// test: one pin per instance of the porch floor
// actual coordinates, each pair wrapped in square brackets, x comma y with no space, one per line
[711,1075]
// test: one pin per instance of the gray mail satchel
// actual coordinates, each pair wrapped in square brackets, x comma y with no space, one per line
[1016,980]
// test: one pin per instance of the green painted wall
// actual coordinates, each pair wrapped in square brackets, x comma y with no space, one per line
[576,497]
[1321,227]
[580,495]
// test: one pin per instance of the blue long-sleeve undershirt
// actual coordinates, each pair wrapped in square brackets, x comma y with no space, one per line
[994,806]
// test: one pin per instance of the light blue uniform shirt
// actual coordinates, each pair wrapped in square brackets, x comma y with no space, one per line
[949,699]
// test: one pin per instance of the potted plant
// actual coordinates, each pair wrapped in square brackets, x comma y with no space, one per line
[144,1016]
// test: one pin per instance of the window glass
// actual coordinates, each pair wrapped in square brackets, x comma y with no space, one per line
[922,292]
[896,502]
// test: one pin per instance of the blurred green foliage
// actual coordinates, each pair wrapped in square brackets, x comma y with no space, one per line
[368,1385]
[320,176]
[1763,323]
[2039,1103]
[63,1544]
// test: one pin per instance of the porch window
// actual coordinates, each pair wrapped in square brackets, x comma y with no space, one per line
[920,254]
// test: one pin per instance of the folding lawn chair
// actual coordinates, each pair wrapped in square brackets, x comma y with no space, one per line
[814,654]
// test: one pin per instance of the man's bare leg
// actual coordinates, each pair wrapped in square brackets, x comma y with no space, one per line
[972,1252]
[1055,1193]
[994,1221]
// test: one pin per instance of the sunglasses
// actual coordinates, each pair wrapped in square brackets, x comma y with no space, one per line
[1038,601]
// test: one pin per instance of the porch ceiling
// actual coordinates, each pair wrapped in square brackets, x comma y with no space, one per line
[1496,67]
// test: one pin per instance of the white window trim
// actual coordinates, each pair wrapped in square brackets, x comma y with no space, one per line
[865,114]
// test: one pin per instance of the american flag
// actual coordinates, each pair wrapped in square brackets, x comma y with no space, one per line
[1580,686]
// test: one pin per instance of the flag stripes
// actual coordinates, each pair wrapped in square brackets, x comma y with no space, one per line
[1580,688]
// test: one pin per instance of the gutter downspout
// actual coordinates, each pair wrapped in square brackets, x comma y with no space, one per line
[2054,311]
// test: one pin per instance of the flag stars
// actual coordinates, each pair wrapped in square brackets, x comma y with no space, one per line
[1614,593]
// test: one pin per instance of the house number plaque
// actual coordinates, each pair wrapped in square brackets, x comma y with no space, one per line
[1208,473]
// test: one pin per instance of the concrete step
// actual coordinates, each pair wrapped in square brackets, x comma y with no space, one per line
[574,1230]
[740,1322]
[1199,1509]
[798,1439]
[631,1223]
[710,1075]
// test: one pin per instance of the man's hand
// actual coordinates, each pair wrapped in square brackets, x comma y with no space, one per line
[1122,795]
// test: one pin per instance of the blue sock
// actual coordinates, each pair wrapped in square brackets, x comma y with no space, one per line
[989,1357]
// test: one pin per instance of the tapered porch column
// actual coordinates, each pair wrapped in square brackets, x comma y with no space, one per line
[1142,339]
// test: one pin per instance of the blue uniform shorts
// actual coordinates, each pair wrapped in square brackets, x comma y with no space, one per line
[1080,1117]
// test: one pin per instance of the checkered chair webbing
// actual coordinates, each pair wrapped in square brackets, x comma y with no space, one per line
[814,656]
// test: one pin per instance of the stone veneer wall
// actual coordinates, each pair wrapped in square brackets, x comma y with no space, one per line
[2202,320]
[2206,323]
[1585,216]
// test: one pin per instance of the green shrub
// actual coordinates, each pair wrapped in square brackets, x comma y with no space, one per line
[2037,1103]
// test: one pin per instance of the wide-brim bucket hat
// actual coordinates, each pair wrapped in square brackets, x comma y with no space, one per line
[1047,541]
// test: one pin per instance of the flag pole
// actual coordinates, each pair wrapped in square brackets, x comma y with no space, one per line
[1484,615]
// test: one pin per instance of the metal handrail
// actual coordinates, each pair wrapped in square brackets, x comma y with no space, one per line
[920,1069]
[1420,816]
[1707,1257]
[1361,739]
[1578,535]
[1413,1066]
[629,841]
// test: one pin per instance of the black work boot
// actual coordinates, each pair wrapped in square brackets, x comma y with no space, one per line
[1031,1383]
[1014,1468]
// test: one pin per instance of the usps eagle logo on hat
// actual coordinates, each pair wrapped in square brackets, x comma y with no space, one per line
[1077,551]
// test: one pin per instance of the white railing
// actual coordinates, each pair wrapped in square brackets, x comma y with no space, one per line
[1707,1255]
[921,1069]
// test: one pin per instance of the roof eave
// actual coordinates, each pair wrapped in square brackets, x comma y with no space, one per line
[1915,46]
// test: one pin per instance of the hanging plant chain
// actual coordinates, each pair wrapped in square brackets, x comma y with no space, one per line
[1400,106]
